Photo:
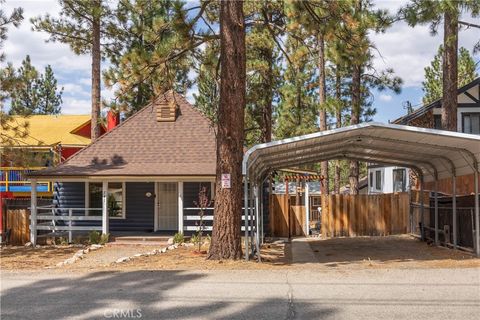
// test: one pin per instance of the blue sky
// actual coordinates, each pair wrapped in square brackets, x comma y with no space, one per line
[406,50]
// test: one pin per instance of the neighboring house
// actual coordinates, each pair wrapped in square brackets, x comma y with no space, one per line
[387,179]
[149,169]
[394,179]
[362,187]
[39,141]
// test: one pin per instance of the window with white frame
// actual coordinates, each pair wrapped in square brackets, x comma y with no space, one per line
[378,180]
[115,198]
[471,123]
[399,180]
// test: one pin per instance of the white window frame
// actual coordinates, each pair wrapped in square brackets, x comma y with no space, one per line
[124,198]
[381,180]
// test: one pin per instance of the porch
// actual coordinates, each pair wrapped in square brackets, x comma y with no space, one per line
[129,210]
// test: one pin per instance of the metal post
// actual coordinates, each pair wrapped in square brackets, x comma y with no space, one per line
[70,225]
[104,208]
[477,215]
[307,208]
[261,214]
[422,210]
[33,212]
[257,223]
[245,214]
[436,212]
[251,218]
[454,210]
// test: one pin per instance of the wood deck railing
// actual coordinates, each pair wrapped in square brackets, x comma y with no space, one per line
[14,179]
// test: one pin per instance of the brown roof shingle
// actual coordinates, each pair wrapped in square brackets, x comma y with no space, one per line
[142,146]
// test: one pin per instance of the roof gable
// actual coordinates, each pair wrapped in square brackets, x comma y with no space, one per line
[143,146]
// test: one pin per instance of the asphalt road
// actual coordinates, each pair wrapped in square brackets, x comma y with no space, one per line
[294,294]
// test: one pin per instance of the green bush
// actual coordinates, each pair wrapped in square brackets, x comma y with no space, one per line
[95,237]
[195,239]
[178,238]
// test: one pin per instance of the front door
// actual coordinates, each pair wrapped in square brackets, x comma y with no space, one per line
[167,203]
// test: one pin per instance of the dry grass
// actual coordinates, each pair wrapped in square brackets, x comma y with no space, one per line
[21,258]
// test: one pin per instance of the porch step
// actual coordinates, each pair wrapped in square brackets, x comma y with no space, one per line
[141,238]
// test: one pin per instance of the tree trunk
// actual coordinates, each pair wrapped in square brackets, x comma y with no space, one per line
[95,123]
[450,72]
[322,94]
[226,240]
[355,119]
[338,116]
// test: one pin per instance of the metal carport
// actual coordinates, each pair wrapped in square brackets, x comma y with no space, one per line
[431,154]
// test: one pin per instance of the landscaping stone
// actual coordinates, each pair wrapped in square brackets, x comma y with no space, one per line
[28,244]
[170,241]
[122,259]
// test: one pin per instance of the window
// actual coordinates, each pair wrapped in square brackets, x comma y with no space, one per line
[371,180]
[471,123]
[437,121]
[399,180]
[378,180]
[115,199]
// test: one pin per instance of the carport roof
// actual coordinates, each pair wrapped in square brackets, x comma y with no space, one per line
[435,154]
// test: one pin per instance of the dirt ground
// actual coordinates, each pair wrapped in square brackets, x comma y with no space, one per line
[19,258]
[338,254]
[401,251]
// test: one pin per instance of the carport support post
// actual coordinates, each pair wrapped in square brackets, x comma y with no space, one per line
[454,210]
[245,214]
[436,211]
[307,208]
[33,212]
[422,210]
[257,223]
[477,215]
[104,207]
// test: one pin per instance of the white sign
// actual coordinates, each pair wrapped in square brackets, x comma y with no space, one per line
[225,180]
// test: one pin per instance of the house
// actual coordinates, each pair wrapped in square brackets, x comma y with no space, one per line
[384,179]
[146,173]
[36,142]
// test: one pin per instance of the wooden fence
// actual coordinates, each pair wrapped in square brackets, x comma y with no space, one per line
[18,224]
[365,215]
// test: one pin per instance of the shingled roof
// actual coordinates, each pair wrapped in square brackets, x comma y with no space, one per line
[143,145]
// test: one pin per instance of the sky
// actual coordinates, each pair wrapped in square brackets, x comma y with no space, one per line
[407,50]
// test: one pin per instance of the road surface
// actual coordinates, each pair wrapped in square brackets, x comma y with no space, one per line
[253,294]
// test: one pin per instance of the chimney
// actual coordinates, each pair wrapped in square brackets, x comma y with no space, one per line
[113,119]
[167,111]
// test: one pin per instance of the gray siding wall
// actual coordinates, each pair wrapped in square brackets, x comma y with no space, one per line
[190,196]
[140,209]
[69,195]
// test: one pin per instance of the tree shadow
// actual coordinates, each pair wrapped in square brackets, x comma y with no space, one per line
[154,294]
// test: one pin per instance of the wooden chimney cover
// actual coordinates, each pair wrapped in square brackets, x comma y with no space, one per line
[167,112]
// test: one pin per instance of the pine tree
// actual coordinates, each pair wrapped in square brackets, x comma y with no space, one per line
[432,86]
[433,12]
[146,33]
[32,92]
[24,97]
[226,241]
[49,97]
[82,25]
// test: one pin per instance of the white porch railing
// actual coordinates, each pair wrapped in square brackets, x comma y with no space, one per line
[208,220]
[47,219]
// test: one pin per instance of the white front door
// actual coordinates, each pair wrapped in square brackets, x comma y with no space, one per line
[167,203]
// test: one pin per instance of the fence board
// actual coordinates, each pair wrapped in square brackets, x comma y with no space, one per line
[362,215]
[18,222]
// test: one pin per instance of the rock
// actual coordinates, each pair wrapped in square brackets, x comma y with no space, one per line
[163,250]
[188,244]
[70,260]
[28,244]
[86,250]
[175,246]
[60,264]
[122,259]
[170,241]
[138,255]
[95,246]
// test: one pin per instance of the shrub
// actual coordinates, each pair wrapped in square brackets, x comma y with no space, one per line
[195,239]
[178,238]
[95,237]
